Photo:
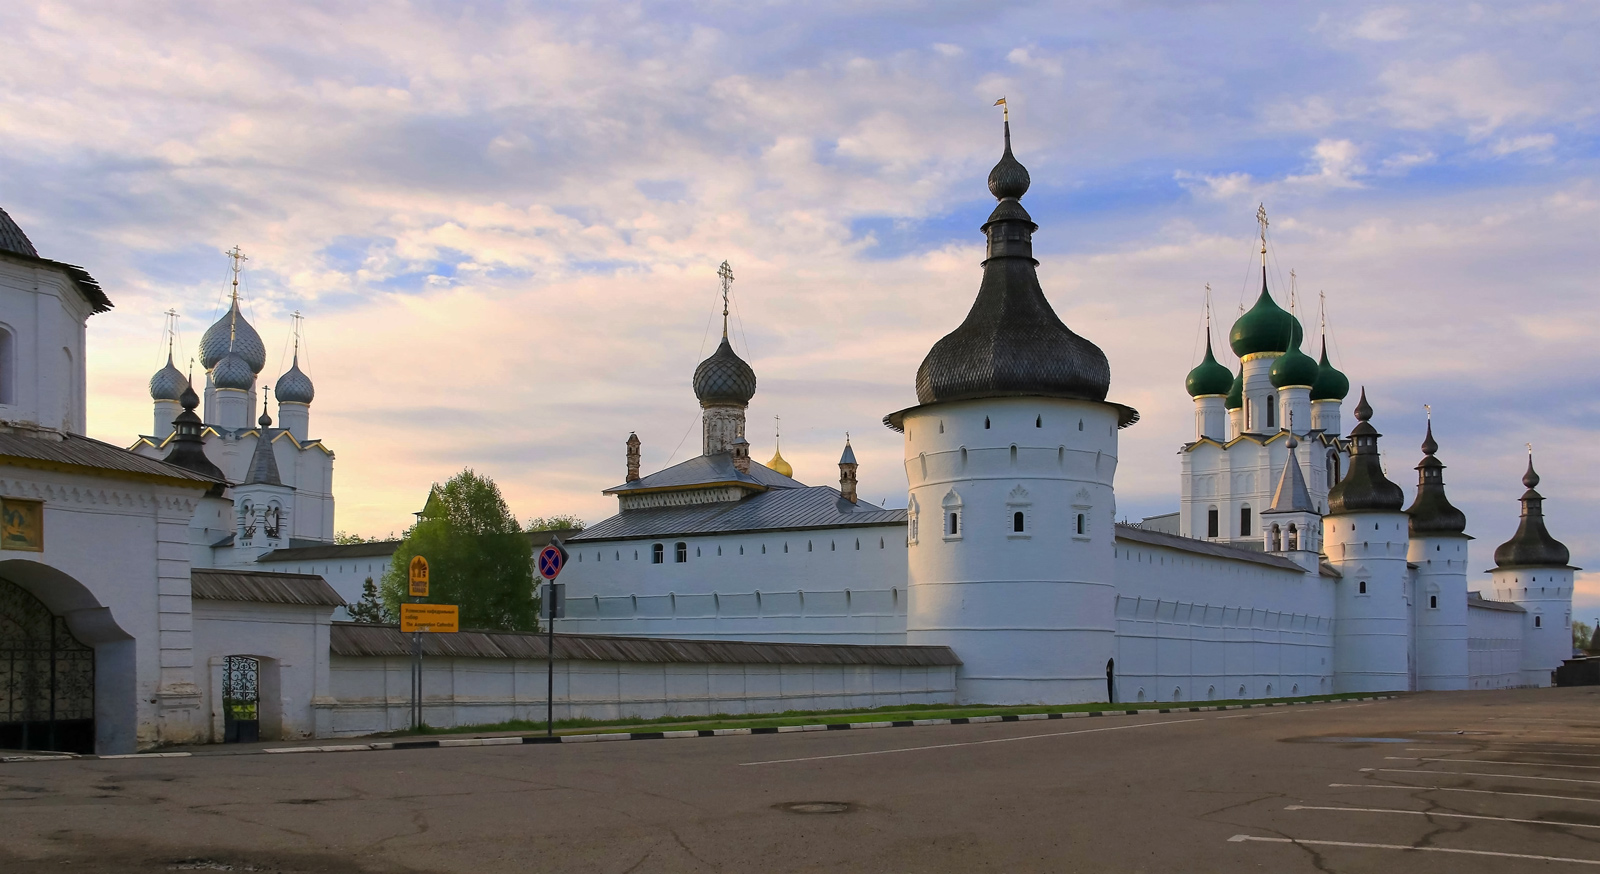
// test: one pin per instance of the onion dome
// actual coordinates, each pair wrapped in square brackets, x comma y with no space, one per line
[1210,377]
[169,382]
[724,378]
[232,333]
[188,449]
[1267,327]
[13,240]
[1532,545]
[778,465]
[1012,343]
[1331,385]
[1235,398]
[233,372]
[294,387]
[1431,512]
[1294,368]
[1364,488]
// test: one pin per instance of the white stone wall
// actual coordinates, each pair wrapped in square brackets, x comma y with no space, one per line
[346,576]
[372,694]
[1030,613]
[1193,628]
[1439,608]
[1494,648]
[291,644]
[862,616]
[43,318]
[1546,595]
[1372,632]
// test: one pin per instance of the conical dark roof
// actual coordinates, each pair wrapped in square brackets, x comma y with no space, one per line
[12,239]
[724,378]
[263,463]
[1364,488]
[1532,545]
[1431,512]
[1012,343]
[1292,495]
[188,448]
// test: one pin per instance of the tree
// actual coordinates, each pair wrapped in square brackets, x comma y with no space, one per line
[370,609]
[563,522]
[1582,634]
[345,538]
[478,557]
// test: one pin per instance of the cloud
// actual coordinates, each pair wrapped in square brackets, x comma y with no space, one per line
[1528,143]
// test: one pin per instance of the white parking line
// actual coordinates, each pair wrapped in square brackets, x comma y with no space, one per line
[1442,750]
[973,743]
[1455,789]
[1239,838]
[1493,762]
[1449,815]
[1477,774]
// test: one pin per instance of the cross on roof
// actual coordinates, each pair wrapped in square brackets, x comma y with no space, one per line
[726,272]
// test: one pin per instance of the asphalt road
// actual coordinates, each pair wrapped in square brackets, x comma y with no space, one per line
[1464,782]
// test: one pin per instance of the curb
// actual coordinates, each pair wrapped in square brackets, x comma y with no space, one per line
[610,737]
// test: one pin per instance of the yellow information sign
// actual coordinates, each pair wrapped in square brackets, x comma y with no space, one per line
[419,577]
[430,617]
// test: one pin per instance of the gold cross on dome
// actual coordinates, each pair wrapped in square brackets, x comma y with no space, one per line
[726,272]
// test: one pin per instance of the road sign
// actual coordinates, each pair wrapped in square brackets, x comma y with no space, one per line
[551,559]
[555,600]
[419,577]
[430,617]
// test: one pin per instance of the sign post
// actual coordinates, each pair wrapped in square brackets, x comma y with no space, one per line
[550,561]
[418,589]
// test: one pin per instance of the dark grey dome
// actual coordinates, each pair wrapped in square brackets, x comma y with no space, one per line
[232,333]
[12,239]
[1364,487]
[1532,545]
[294,387]
[1431,512]
[724,378]
[233,372]
[1012,342]
[168,383]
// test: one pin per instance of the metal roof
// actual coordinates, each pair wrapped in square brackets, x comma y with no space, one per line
[384,548]
[309,590]
[783,509]
[14,243]
[355,639]
[708,470]
[1202,547]
[1476,599]
[19,446]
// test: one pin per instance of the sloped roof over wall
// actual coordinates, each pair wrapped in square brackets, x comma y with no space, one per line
[781,509]
[47,448]
[1475,599]
[1202,547]
[356,639]
[308,590]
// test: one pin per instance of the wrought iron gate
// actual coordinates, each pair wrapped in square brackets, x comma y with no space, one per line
[46,678]
[241,700]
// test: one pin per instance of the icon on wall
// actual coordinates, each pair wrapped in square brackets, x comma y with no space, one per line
[22,524]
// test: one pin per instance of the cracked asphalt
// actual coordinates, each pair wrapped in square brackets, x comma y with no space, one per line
[1458,782]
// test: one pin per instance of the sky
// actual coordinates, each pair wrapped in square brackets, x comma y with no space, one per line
[502,221]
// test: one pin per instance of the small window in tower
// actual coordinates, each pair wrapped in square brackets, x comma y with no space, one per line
[1016,521]
[681,552]
[1361,587]
[955,523]
[1038,421]
[1244,521]
[985,423]
[658,553]
[1211,522]
[1538,622]
[1271,411]
[1080,424]
[1081,523]
[1433,602]
[1013,454]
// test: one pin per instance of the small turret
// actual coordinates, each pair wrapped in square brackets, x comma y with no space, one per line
[740,450]
[633,457]
[166,389]
[847,472]
[1292,523]
[1364,488]
[188,448]
[1532,545]
[777,464]
[1431,512]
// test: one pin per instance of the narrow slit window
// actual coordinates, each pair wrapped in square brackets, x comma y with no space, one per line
[955,523]
[1017,521]
[1080,523]
[1211,522]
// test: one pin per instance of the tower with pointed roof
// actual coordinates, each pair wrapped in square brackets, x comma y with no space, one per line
[1291,525]
[1438,550]
[1366,538]
[1011,452]
[1533,570]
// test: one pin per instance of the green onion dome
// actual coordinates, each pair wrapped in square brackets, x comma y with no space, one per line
[1266,327]
[1331,385]
[1294,368]
[1235,399]
[1210,377]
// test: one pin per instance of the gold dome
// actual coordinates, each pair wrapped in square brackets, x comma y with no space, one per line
[779,465]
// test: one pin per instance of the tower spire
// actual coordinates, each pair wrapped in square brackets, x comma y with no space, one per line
[726,272]
[238,257]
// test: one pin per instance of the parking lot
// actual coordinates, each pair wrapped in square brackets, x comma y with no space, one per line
[1459,782]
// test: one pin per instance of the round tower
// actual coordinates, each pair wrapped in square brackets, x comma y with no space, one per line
[1531,569]
[1365,538]
[1438,548]
[1010,455]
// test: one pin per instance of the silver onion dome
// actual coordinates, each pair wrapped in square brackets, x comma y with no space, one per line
[233,372]
[294,387]
[232,333]
[724,378]
[168,383]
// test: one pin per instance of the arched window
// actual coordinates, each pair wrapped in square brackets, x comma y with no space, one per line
[1038,421]
[1212,522]
[1016,521]
[985,423]
[1294,536]
[955,523]
[1361,587]
[1538,622]
[1277,538]
[1271,413]
[1081,523]
[1244,521]
[1433,602]
[658,553]
[1333,467]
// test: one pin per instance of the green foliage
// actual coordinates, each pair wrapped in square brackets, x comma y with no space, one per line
[370,608]
[563,522]
[1582,634]
[478,557]
[345,538]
